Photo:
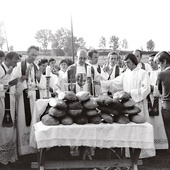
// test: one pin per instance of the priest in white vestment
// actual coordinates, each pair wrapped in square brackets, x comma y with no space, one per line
[136,82]
[27,92]
[8,138]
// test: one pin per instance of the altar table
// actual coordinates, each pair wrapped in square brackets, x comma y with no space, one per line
[131,135]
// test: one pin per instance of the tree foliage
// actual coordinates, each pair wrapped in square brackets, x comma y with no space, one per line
[62,39]
[44,36]
[114,42]
[124,44]
[102,42]
[2,39]
[150,45]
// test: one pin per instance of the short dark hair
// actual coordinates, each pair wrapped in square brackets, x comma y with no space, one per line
[112,53]
[163,56]
[2,54]
[140,52]
[10,55]
[63,61]
[152,55]
[33,47]
[42,61]
[50,60]
[91,52]
[131,57]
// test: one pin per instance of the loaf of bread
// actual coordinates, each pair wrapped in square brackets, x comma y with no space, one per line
[56,112]
[74,105]
[74,113]
[90,104]
[122,95]
[83,95]
[137,118]
[67,95]
[50,120]
[58,103]
[95,119]
[91,112]
[82,119]
[108,118]
[109,110]
[129,103]
[122,119]
[133,110]
[67,120]
[104,100]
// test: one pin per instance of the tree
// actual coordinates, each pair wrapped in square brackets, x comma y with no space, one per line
[150,45]
[44,36]
[124,44]
[114,42]
[62,39]
[2,39]
[102,42]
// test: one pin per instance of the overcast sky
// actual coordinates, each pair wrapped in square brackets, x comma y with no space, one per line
[135,20]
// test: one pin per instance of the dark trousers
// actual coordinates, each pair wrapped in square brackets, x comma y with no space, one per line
[166,119]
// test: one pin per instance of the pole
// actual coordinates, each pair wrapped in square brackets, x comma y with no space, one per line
[72,41]
[6,37]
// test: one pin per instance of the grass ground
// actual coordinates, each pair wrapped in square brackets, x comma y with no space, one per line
[160,162]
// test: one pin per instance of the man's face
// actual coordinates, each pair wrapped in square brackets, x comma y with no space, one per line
[43,67]
[52,63]
[13,62]
[161,65]
[137,54]
[32,55]
[129,64]
[82,58]
[152,63]
[63,66]
[95,58]
[113,60]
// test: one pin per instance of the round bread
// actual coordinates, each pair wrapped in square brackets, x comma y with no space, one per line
[122,95]
[109,110]
[92,112]
[129,103]
[90,104]
[122,119]
[107,117]
[50,120]
[95,119]
[104,100]
[58,103]
[67,120]
[81,120]
[83,95]
[133,110]
[67,95]
[74,105]
[137,118]
[56,112]
[76,112]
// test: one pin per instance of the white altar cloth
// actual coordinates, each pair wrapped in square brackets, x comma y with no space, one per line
[95,135]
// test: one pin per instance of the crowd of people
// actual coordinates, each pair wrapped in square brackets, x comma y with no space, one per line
[22,82]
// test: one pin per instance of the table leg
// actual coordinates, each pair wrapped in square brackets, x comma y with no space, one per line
[134,154]
[42,158]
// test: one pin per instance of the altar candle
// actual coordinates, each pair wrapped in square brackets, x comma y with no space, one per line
[88,71]
[48,70]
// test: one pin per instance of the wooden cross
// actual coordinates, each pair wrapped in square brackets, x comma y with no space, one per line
[7,116]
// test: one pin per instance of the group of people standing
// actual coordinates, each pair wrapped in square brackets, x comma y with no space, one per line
[22,82]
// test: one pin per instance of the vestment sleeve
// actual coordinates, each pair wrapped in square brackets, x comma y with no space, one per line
[144,88]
